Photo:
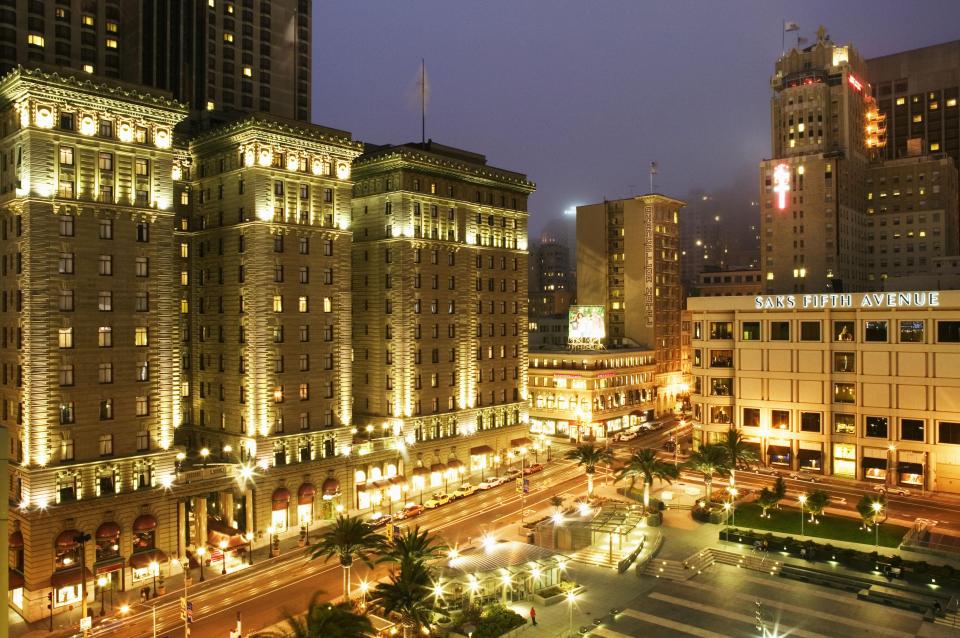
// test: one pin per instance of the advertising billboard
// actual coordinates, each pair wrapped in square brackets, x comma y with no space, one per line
[586,323]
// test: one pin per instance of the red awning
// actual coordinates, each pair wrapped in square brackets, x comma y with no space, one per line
[306,493]
[15,579]
[67,539]
[67,577]
[438,467]
[521,442]
[108,531]
[481,450]
[114,566]
[142,560]
[281,498]
[399,479]
[144,523]
[420,471]
[218,532]
[331,487]
[454,464]
[16,540]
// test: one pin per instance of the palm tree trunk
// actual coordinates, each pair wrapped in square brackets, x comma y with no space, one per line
[407,630]
[646,495]
[733,477]
[590,484]
[708,486]
[346,583]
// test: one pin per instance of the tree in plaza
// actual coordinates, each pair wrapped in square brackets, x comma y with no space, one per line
[349,539]
[709,460]
[740,455]
[869,512]
[416,545]
[322,620]
[817,500]
[766,499]
[647,466]
[589,456]
[557,501]
[405,595]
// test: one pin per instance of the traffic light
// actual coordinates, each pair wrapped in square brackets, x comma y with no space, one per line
[49,600]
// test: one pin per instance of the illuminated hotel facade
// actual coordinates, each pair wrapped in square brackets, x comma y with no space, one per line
[856,386]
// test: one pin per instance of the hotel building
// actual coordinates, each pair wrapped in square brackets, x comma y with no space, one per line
[857,386]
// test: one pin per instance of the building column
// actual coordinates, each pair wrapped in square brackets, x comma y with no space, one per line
[248,500]
[181,528]
[227,508]
[201,516]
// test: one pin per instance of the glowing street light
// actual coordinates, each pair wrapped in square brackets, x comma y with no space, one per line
[223,556]
[877,506]
[201,551]
[803,502]
[571,598]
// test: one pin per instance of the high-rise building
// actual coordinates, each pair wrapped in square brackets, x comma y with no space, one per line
[439,314]
[628,263]
[834,216]
[75,35]
[552,281]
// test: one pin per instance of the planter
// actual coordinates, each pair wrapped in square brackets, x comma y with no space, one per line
[553,599]
[654,519]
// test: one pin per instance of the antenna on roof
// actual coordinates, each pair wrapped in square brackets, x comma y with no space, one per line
[423,102]
[653,173]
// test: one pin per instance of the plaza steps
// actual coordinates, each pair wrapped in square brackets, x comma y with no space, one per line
[595,557]
[679,570]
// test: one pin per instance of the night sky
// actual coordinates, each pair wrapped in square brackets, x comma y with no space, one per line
[583,95]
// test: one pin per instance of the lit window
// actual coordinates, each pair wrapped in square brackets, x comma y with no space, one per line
[65,337]
[277,303]
[901,101]
[228,37]
[34,39]
[917,119]
[210,103]
[88,21]
[302,304]
[140,336]
[248,71]
[229,9]
[88,68]
[211,3]
[112,27]
[952,102]
[935,146]
[111,43]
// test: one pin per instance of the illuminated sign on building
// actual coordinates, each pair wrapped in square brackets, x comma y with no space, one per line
[847,300]
[587,327]
[781,184]
[855,83]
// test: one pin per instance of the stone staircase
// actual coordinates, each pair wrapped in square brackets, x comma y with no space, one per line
[595,557]
[702,560]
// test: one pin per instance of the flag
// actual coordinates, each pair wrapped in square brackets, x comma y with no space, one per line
[791,26]
[801,40]
[653,168]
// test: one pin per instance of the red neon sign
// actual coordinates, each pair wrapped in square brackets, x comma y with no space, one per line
[781,184]
[855,83]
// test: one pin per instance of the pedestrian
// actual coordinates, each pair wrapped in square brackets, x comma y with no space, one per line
[533,616]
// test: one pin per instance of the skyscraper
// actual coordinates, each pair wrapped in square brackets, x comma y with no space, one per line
[552,280]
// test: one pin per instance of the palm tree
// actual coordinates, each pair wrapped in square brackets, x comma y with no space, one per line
[406,595]
[816,502]
[414,545]
[323,621]
[589,456]
[709,460]
[349,539]
[871,514]
[557,501]
[646,465]
[766,499]
[740,455]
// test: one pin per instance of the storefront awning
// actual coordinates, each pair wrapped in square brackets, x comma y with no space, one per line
[454,464]
[420,471]
[280,498]
[779,450]
[15,579]
[67,539]
[113,565]
[481,450]
[521,442]
[218,532]
[910,468]
[305,494]
[438,467]
[16,540]
[108,531]
[805,455]
[67,577]
[144,523]
[330,487]
[142,560]
[399,479]
[867,462]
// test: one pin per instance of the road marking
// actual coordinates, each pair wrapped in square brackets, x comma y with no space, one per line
[671,624]
[729,615]
[607,633]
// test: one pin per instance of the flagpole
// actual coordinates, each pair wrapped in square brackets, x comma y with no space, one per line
[423,103]
[783,37]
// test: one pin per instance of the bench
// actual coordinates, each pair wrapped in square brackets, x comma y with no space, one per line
[920,602]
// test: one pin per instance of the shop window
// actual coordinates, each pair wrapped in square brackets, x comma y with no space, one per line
[780,419]
[697,330]
[843,331]
[721,330]
[698,358]
[844,393]
[948,432]
[809,331]
[721,387]
[751,417]
[721,414]
[875,331]
[911,332]
[750,331]
[948,332]
[845,460]
[876,426]
[810,421]
[779,331]
[912,429]
[844,362]
[844,424]
[721,358]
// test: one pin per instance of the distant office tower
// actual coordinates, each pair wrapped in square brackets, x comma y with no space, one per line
[834,217]
[77,35]
[439,310]
[219,56]
[628,262]
[551,279]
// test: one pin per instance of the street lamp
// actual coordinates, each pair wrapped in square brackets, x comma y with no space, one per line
[803,501]
[364,588]
[201,551]
[155,571]
[571,598]
[549,443]
[876,506]
[249,538]
[223,556]
[102,584]
[204,453]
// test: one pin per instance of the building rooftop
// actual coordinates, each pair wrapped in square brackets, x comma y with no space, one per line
[500,555]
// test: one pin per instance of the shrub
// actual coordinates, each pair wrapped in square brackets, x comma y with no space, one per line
[497,620]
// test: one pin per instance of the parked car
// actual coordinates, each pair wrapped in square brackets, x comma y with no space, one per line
[768,471]
[489,483]
[437,500]
[803,476]
[892,489]
[623,437]
[644,427]
[411,510]
[533,469]
[465,490]
[379,519]
[511,474]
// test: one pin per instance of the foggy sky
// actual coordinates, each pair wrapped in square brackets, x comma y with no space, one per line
[583,95]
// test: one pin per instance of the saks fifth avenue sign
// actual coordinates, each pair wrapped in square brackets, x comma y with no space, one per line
[842,301]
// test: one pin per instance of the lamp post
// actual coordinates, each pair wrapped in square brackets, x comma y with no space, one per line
[154,571]
[571,597]
[223,556]
[102,583]
[249,538]
[82,539]
[549,443]
[364,588]
[877,506]
[204,453]
[803,501]
[201,551]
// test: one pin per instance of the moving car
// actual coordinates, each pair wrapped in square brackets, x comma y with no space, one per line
[803,476]
[892,489]
[411,510]
[510,474]
[625,436]
[464,490]
[489,483]
[379,519]
[533,469]
[437,500]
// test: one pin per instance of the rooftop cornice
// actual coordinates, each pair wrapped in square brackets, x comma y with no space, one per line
[255,127]
[398,157]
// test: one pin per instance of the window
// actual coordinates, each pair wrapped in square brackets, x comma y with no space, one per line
[106,444]
[278,303]
[844,362]
[140,336]
[65,337]
[106,229]
[843,331]
[721,358]
[779,331]
[66,449]
[721,387]
[35,40]
[143,232]
[751,417]
[876,427]
[143,406]
[66,375]
[105,300]
[141,266]
[106,409]
[143,371]
[66,300]
[142,302]
[66,156]
[844,424]
[810,421]
[844,393]
[302,304]
[67,415]
[948,331]
[750,331]
[304,391]
[875,331]
[721,330]
[912,429]
[105,337]
[911,332]
[809,331]
[698,358]
[845,460]
[948,432]
[105,373]
[66,225]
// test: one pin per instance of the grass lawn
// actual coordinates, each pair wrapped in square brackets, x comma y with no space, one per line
[787,521]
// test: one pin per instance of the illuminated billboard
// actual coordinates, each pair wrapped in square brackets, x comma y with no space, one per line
[586,324]
[781,184]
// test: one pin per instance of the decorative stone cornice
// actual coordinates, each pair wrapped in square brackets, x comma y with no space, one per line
[399,157]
